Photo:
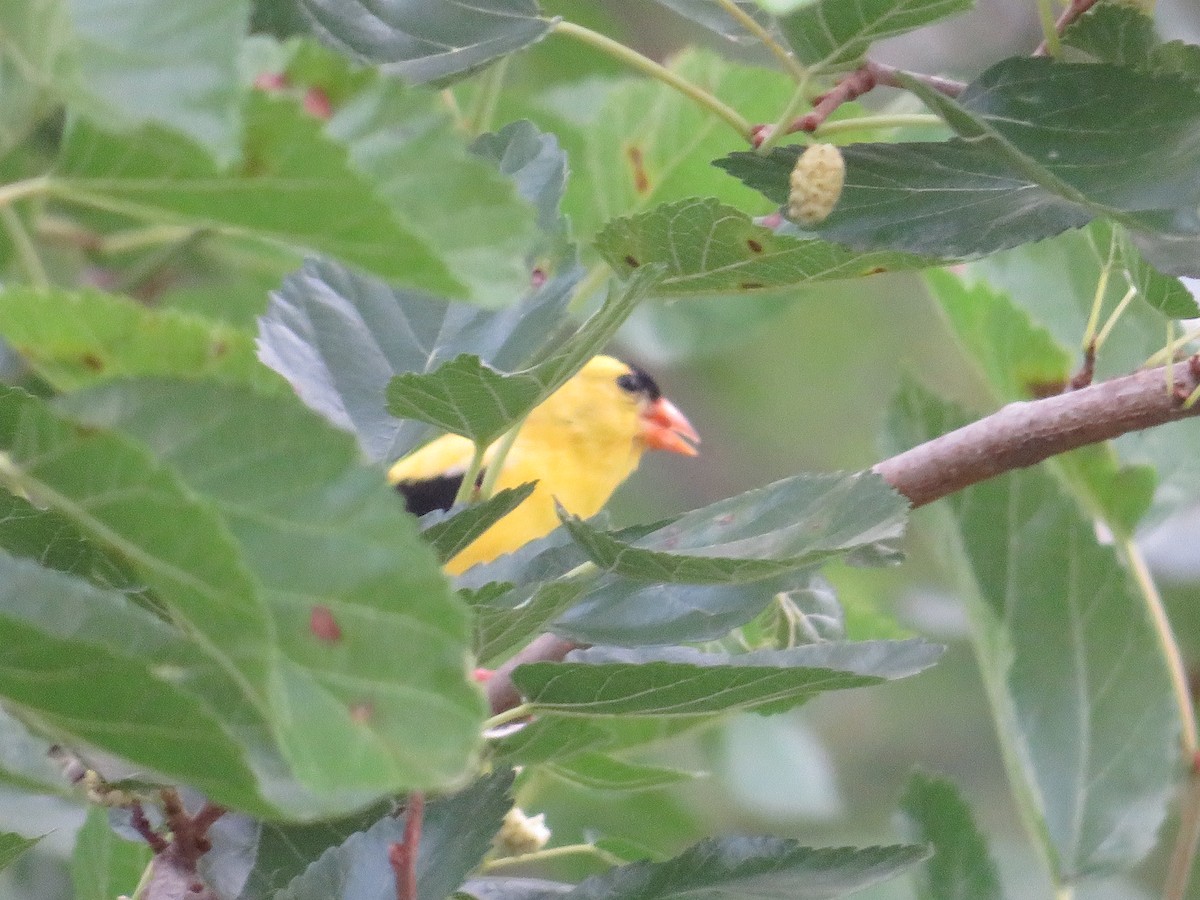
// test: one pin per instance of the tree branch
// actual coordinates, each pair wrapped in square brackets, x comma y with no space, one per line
[1014,437]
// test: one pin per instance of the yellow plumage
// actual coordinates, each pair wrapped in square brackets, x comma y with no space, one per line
[578,445]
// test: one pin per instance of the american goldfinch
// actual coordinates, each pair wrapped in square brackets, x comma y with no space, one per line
[578,445]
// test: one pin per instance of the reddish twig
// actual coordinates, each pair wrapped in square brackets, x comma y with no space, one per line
[1016,436]
[1074,10]
[865,78]
[1087,371]
[137,818]
[403,853]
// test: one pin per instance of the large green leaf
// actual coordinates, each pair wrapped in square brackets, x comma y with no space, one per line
[960,868]
[123,63]
[466,397]
[92,669]
[339,337]
[426,42]
[834,34]
[601,772]
[799,521]
[137,61]
[942,200]
[752,868]
[456,833]
[537,165]
[103,865]
[369,637]
[1072,664]
[294,186]
[73,338]
[711,248]
[679,681]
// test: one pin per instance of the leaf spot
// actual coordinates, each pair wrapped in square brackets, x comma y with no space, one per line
[323,625]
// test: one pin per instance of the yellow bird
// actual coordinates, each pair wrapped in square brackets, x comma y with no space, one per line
[578,445]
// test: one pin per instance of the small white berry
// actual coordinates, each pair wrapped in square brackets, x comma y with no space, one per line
[816,184]
[521,834]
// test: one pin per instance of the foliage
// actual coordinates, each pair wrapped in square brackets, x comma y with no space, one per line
[248,258]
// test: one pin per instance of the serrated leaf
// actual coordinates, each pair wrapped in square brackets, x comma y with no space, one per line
[679,681]
[745,43]
[960,868]
[456,833]
[450,531]
[942,200]
[544,740]
[597,771]
[711,248]
[796,522]
[752,868]
[73,338]
[12,846]
[466,397]
[294,186]
[507,622]
[1079,689]
[339,336]
[426,43]
[104,865]
[1115,33]
[834,34]
[367,634]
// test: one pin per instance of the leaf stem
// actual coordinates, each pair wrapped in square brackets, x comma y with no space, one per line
[649,67]
[27,252]
[1089,331]
[899,120]
[466,490]
[1183,854]
[18,190]
[780,52]
[1167,353]
[781,127]
[1112,319]
[492,473]
[1166,641]
[554,853]
[520,711]
[1049,28]
[483,106]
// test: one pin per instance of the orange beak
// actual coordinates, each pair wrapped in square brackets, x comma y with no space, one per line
[664,427]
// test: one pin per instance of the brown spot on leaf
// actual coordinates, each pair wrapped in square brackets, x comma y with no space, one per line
[755,246]
[270,82]
[878,270]
[641,181]
[92,362]
[362,713]
[537,277]
[323,625]
[631,261]
[751,285]
[219,349]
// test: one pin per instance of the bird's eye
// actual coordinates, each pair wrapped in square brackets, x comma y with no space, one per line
[636,381]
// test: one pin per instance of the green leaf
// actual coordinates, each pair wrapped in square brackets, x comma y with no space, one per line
[456,833]
[339,337]
[960,867]
[73,338]
[833,34]
[453,199]
[368,636]
[466,397]
[942,200]
[424,43]
[450,531]
[1115,33]
[506,623]
[716,19]
[679,681]
[711,248]
[535,163]
[600,772]
[1079,689]
[12,846]
[799,521]
[544,740]
[174,64]
[513,889]
[103,865]
[643,143]
[294,186]
[752,868]
[96,670]
[34,58]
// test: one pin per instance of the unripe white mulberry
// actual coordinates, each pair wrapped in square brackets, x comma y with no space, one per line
[816,184]
[521,834]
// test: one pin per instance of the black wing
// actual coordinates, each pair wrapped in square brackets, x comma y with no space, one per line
[428,494]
